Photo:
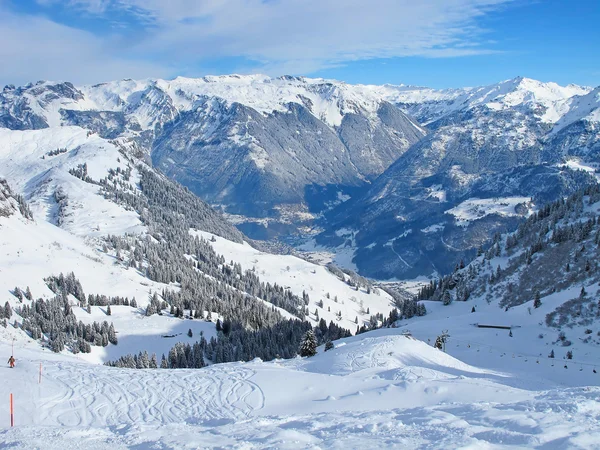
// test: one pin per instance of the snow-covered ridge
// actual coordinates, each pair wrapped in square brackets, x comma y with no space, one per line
[548,100]
[328,100]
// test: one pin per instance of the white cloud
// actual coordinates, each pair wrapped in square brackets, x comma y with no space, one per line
[274,36]
[35,48]
[311,34]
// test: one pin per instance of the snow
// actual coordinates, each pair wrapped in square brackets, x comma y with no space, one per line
[476,208]
[27,167]
[328,100]
[433,228]
[136,332]
[437,193]
[586,107]
[31,251]
[577,164]
[378,389]
[300,276]
[382,388]
[549,101]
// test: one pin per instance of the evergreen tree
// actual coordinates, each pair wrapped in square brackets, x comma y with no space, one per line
[7,310]
[446,298]
[308,344]
[108,311]
[537,302]
[328,345]
[112,336]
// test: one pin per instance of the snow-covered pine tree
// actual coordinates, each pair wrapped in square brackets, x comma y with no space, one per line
[7,310]
[308,344]
[446,298]
[438,342]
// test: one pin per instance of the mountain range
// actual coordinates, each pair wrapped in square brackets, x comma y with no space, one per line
[387,174]
[207,337]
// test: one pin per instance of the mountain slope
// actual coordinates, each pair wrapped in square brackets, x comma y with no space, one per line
[496,143]
[225,137]
[541,280]
[125,231]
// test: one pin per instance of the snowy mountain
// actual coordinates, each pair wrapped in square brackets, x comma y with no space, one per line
[104,259]
[279,154]
[492,144]
[84,224]
[227,138]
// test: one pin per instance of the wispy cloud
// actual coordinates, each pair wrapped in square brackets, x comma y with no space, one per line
[273,36]
[37,48]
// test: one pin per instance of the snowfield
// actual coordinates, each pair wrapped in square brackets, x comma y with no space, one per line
[378,389]
[476,208]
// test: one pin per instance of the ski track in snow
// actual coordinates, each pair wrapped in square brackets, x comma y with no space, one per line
[382,390]
[81,398]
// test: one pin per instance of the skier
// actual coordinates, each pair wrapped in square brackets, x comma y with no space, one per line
[11,361]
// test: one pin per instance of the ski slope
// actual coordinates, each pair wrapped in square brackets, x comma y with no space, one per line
[377,389]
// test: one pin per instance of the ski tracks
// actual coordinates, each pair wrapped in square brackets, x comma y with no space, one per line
[101,396]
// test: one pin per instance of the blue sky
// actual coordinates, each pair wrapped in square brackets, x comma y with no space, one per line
[437,43]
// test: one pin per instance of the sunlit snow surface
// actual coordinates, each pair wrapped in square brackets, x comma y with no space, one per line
[476,208]
[380,389]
